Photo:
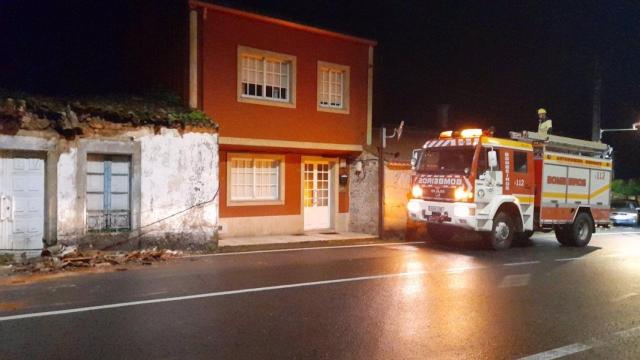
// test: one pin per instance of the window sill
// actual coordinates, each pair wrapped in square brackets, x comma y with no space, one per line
[254,203]
[108,232]
[248,100]
[333,110]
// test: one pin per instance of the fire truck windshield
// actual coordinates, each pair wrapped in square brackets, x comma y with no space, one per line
[446,160]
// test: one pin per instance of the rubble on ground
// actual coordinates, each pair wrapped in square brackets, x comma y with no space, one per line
[64,258]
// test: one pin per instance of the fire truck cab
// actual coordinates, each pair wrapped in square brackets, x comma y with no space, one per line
[508,188]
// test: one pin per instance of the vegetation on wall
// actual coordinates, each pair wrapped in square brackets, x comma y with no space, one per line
[70,115]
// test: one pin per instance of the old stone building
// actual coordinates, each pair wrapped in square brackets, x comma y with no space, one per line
[106,174]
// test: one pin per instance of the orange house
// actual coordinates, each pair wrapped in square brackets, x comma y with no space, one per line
[294,107]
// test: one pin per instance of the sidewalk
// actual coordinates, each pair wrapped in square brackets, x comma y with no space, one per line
[306,239]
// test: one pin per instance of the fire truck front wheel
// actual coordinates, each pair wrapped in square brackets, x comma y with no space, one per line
[504,229]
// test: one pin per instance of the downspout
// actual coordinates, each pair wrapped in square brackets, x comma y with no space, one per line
[381,182]
[193,58]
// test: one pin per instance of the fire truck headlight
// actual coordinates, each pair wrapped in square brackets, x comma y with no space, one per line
[416,191]
[480,194]
[462,194]
[413,207]
[461,211]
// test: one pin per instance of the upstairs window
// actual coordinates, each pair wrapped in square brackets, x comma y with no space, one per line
[265,77]
[333,87]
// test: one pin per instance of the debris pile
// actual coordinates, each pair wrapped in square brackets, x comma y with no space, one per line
[62,258]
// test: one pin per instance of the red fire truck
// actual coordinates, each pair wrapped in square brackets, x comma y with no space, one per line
[508,188]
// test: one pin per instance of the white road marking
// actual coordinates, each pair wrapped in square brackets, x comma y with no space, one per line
[569,259]
[624,297]
[207,295]
[515,280]
[558,352]
[580,347]
[522,263]
[303,249]
[633,332]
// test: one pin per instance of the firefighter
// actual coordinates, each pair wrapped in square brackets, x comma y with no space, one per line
[544,123]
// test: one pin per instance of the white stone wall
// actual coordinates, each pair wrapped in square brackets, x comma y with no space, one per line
[178,172]
[68,218]
[178,189]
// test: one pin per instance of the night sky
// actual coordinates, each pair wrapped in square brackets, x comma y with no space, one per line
[494,62]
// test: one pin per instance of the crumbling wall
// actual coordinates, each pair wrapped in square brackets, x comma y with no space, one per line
[363,195]
[178,192]
[69,221]
[179,182]
[108,116]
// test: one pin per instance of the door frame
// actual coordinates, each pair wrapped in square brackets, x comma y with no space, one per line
[14,154]
[46,148]
[333,188]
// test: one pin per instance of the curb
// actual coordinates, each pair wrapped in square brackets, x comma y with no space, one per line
[300,245]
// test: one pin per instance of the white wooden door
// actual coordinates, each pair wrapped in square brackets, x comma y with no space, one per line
[21,201]
[317,199]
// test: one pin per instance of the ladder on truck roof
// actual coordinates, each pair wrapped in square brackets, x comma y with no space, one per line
[562,143]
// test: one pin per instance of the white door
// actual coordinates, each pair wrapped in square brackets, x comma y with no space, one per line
[21,201]
[317,190]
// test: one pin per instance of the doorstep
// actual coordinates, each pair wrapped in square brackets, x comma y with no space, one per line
[292,241]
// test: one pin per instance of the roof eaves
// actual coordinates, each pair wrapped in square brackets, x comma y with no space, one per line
[281,22]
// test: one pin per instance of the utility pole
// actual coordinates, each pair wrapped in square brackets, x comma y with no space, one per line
[596,100]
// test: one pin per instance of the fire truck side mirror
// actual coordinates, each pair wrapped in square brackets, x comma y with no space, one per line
[492,157]
[414,158]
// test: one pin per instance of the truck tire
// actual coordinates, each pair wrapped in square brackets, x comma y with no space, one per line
[502,233]
[523,238]
[562,234]
[579,233]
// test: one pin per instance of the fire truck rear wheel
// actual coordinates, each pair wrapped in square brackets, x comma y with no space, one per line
[562,234]
[580,231]
[503,232]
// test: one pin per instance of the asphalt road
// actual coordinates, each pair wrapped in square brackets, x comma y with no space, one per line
[416,301]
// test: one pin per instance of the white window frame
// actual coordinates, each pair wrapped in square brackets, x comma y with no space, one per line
[264,56]
[107,192]
[345,70]
[231,157]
